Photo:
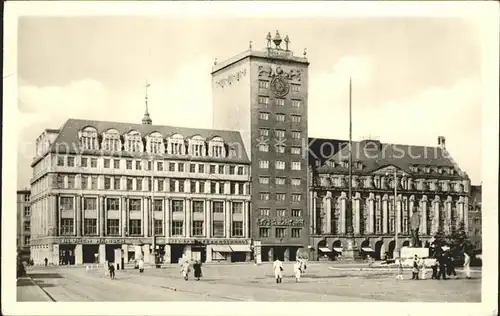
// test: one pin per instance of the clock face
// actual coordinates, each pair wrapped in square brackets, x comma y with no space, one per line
[280,86]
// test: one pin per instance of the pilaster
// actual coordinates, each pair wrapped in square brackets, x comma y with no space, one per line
[328,210]
[102,254]
[145,214]
[208,222]
[167,210]
[78,254]
[371,213]
[448,214]
[343,206]
[385,214]
[423,209]
[188,218]
[78,224]
[356,213]
[466,213]
[100,214]
[435,218]
[313,213]
[227,218]
[123,216]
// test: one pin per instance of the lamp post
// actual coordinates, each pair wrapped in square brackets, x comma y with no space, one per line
[396,213]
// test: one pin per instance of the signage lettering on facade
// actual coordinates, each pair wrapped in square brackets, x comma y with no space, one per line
[135,241]
[93,241]
[279,53]
[294,222]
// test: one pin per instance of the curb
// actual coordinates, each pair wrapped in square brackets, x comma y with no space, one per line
[40,288]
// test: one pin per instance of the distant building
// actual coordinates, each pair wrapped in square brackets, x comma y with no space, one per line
[24,222]
[475,216]
[428,182]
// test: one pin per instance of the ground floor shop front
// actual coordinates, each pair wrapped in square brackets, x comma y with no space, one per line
[71,251]
[266,253]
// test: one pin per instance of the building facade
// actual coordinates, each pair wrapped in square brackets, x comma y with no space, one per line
[475,217]
[263,94]
[23,223]
[428,182]
[145,189]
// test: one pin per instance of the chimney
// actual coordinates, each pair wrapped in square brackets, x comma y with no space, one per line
[442,142]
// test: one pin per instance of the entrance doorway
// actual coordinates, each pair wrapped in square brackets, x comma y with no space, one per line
[89,253]
[176,252]
[264,254]
[279,253]
[238,256]
[199,253]
[110,252]
[66,254]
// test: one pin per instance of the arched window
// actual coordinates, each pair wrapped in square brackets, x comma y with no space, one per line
[88,138]
[133,142]
[176,145]
[111,140]
[197,146]
[154,143]
[216,147]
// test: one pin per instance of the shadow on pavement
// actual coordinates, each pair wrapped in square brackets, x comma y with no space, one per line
[24,282]
[45,275]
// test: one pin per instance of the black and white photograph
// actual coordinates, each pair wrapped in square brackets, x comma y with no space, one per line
[188,156]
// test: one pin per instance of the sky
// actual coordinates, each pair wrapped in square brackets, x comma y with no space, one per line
[414,78]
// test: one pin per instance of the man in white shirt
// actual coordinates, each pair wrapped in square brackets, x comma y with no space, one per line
[278,270]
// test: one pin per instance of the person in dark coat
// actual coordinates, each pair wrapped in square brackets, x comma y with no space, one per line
[450,265]
[111,269]
[197,270]
[442,267]
[46,261]
[435,270]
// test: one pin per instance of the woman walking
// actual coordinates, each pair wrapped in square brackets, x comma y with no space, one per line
[197,270]
[297,270]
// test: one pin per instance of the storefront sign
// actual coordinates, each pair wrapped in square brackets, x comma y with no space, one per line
[208,241]
[294,222]
[92,241]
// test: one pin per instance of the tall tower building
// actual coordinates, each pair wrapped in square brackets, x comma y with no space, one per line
[263,94]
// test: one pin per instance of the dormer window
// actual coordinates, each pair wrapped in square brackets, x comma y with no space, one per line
[111,140]
[216,148]
[176,145]
[330,163]
[345,164]
[133,142]
[155,143]
[88,138]
[197,146]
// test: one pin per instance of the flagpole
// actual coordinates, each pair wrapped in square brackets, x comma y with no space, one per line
[350,251]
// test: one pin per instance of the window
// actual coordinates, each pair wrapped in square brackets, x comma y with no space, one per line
[221,169]
[281,212]
[67,226]
[138,184]
[279,133]
[171,166]
[233,187]
[391,225]
[296,182]
[280,117]
[71,161]
[177,206]
[198,228]
[295,150]
[158,206]
[107,183]
[117,183]
[161,186]
[67,203]
[93,162]
[198,207]
[192,168]
[280,196]
[213,187]
[201,168]
[60,160]
[134,205]
[130,184]
[237,208]
[264,212]
[158,226]
[116,163]
[280,181]
[263,100]
[295,134]
[27,240]
[180,167]
[192,186]
[27,211]
[27,198]
[218,229]
[88,138]
[263,164]
[232,170]
[177,228]
[263,84]
[280,232]
[264,196]
[296,197]
[295,165]
[237,230]
[112,204]
[296,103]
[296,118]
[264,132]
[84,162]
[212,169]
[159,165]
[218,207]
[129,164]
[181,186]
[280,165]
[296,213]
[280,149]
[378,225]
[26,227]
[264,180]
[280,102]
[90,226]
[113,227]
[264,148]
[296,232]
[222,188]
[241,188]
[263,232]
[89,203]
[71,182]
[295,87]
[264,116]
[138,165]
[107,163]
[240,170]
[135,228]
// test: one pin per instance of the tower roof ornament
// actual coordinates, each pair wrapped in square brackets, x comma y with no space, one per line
[287,42]
[269,38]
[277,39]
[146,119]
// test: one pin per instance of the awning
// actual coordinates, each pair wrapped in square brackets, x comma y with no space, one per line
[337,249]
[241,248]
[222,248]
[325,250]
[367,249]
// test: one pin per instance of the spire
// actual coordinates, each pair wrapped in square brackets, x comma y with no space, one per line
[146,119]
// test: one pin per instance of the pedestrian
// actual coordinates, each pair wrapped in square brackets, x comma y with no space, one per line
[450,265]
[297,270]
[442,267]
[46,261]
[467,265]
[141,265]
[423,268]
[278,270]
[197,270]
[415,270]
[111,269]
[185,269]
[400,270]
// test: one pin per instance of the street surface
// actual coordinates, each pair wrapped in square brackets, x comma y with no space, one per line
[244,282]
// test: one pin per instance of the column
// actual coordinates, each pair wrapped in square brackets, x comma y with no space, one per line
[227,218]
[356,214]
[79,216]
[123,216]
[101,220]
[167,218]
[385,214]
[208,222]
[411,205]
[343,205]
[168,254]
[313,213]
[55,216]
[328,209]
[435,219]
[125,255]
[79,254]
[466,213]
[448,215]
[188,218]
[105,216]
[209,254]
[146,248]
[246,219]
[423,209]
[460,209]
[371,214]
[102,254]
[145,217]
